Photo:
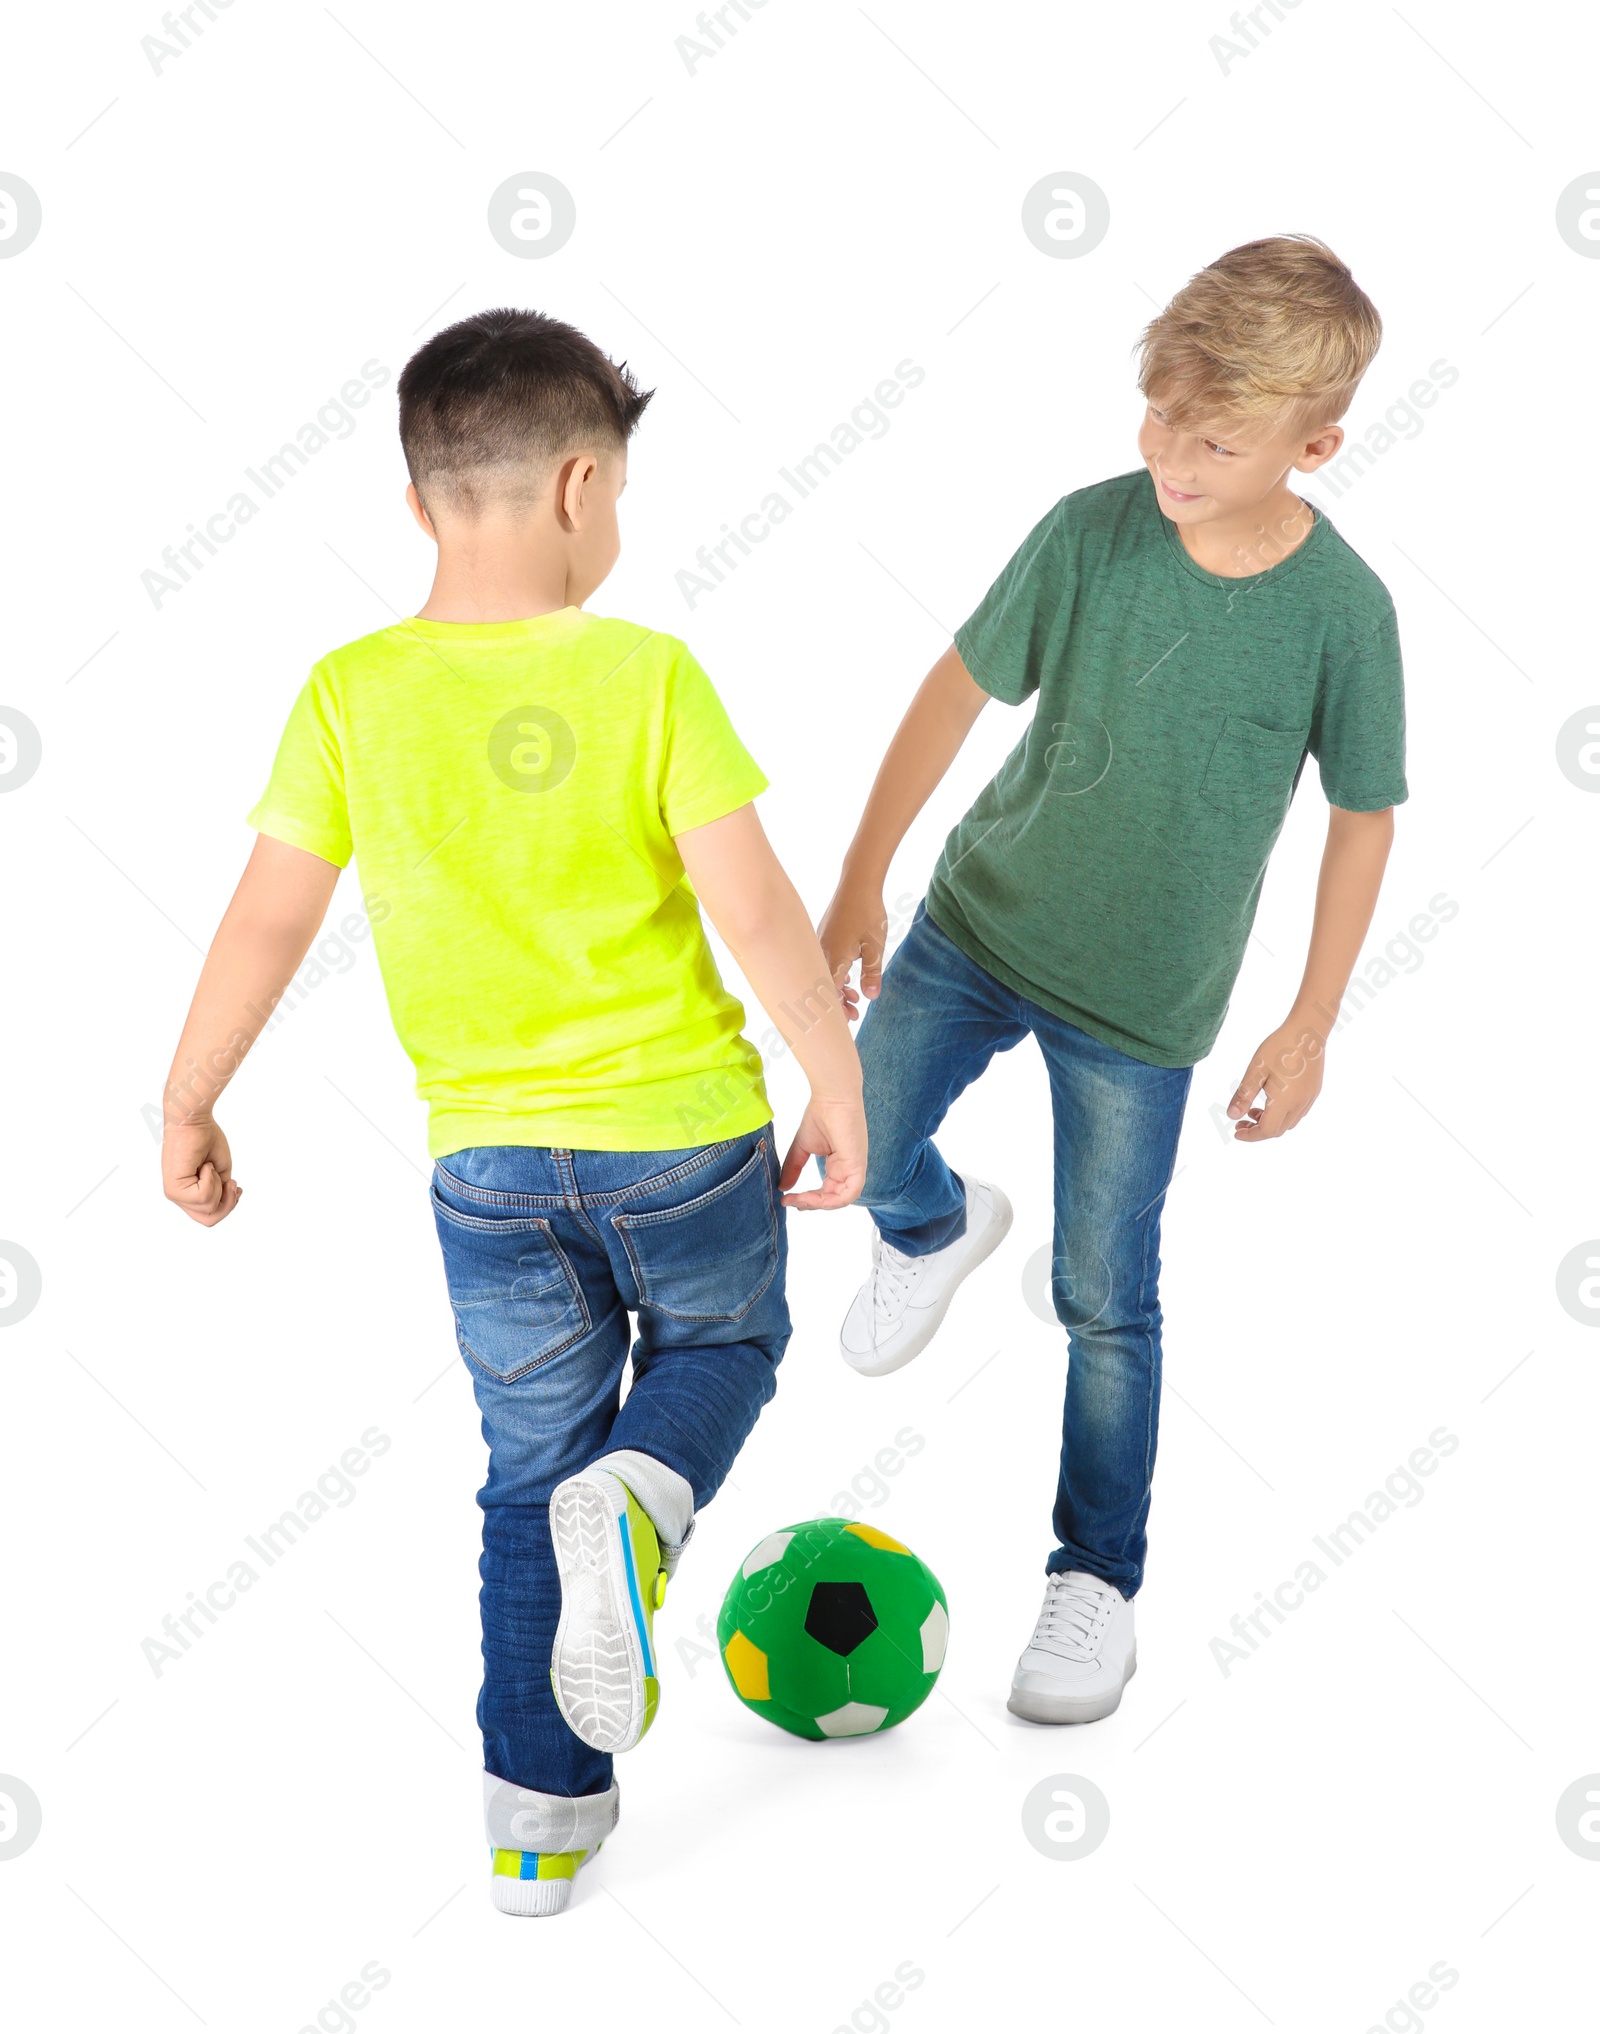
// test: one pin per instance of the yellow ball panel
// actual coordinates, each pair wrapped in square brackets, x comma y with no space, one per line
[747,1668]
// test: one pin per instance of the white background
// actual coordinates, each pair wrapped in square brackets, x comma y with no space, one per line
[1294,1843]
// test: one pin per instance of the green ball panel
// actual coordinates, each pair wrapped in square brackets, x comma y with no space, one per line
[787,1719]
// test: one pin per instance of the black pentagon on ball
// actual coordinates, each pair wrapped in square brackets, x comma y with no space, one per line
[840,1616]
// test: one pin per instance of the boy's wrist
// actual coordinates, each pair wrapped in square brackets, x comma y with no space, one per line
[837,1095]
[1317,1014]
[180,1111]
[861,870]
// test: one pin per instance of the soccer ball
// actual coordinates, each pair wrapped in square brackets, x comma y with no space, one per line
[832,1629]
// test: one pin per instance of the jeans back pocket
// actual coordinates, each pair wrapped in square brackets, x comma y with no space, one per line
[516,1298]
[710,1258]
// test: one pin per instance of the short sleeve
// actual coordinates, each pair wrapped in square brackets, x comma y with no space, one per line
[1003,641]
[304,802]
[706,771]
[1358,733]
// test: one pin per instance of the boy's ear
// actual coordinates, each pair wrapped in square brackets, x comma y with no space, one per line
[414,503]
[572,482]
[1319,450]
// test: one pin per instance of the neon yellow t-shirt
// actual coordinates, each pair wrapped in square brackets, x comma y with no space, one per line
[510,792]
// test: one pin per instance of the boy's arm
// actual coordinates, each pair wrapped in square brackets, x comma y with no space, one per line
[1288,1065]
[752,903]
[281,900]
[926,743]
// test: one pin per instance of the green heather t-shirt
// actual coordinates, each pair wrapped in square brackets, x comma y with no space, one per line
[510,792]
[1111,870]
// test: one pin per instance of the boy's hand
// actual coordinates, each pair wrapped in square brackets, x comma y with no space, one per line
[837,1132]
[855,927]
[197,1172]
[1288,1065]
[283,896]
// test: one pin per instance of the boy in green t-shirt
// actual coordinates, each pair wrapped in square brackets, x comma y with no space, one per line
[529,791]
[1193,632]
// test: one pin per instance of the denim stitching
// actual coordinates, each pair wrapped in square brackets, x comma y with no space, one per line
[498,1197]
[1152,1226]
[493,1196]
[654,1215]
[548,1356]
[690,1166]
[530,1225]
[533,1226]
[624,1224]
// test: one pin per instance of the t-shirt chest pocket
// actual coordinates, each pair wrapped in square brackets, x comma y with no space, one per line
[1251,769]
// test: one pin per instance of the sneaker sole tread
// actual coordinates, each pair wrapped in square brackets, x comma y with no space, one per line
[597,1666]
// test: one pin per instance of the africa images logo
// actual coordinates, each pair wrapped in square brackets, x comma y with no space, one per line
[532,748]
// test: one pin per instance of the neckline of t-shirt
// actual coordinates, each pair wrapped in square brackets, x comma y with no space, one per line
[556,621]
[1215,580]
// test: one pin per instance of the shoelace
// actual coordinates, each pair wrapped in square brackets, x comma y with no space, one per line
[893,1274]
[1073,1618]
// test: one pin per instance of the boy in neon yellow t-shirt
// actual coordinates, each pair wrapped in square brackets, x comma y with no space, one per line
[529,791]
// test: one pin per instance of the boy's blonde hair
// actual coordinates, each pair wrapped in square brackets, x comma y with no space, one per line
[1276,331]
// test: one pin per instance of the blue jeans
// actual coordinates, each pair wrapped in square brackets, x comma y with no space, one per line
[935,1025]
[546,1253]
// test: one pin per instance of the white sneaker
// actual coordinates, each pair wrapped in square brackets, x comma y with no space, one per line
[897,1312]
[1081,1655]
[534,1882]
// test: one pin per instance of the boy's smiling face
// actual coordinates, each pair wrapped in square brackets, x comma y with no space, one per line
[1224,471]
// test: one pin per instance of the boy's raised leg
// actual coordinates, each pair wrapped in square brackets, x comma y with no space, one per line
[935,1025]
[696,1243]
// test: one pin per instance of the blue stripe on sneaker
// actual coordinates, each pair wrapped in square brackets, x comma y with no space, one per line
[530,1865]
[633,1593]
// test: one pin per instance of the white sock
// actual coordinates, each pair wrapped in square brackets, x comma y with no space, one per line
[666,1498]
[519,1818]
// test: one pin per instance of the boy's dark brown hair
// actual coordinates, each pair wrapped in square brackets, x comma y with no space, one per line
[490,404]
